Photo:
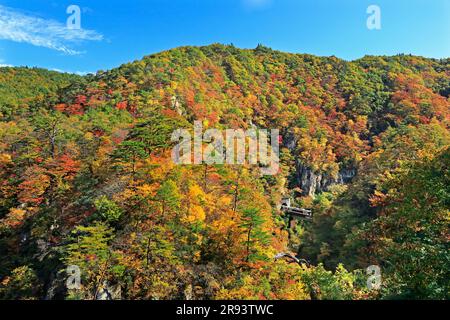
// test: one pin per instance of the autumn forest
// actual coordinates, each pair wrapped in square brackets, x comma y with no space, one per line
[87,183]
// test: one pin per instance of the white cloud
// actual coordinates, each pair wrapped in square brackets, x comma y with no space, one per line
[80,73]
[3,64]
[19,27]
[83,73]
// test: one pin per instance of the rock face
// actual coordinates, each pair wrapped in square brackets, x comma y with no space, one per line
[311,182]
[107,292]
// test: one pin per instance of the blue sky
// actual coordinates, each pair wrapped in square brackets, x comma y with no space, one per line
[34,32]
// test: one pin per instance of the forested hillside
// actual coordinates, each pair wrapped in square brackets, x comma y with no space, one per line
[86,178]
[21,85]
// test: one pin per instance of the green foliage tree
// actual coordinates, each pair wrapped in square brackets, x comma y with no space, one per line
[410,233]
[89,250]
[107,209]
[22,284]
[255,237]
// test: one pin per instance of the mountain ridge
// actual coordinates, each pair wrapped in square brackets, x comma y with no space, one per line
[88,181]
